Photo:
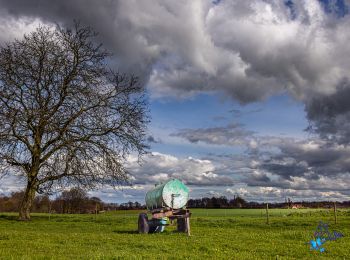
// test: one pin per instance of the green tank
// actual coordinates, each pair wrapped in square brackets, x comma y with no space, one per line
[173,194]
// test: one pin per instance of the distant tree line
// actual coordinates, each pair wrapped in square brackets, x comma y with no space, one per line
[73,201]
[239,202]
[76,201]
[217,202]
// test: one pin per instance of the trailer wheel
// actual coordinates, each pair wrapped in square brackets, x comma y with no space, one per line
[153,229]
[181,225]
[143,226]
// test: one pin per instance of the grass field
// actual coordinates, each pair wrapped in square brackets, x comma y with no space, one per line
[215,234]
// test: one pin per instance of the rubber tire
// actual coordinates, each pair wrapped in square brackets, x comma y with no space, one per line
[143,226]
[181,225]
[153,229]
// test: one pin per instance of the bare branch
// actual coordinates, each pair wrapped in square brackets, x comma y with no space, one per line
[65,117]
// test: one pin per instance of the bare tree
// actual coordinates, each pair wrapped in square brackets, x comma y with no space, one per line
[74,200]
[65,117]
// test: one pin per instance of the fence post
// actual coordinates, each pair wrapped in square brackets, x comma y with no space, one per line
[49,210]
[267,214]
[335,212]
[187,221]
[96,212]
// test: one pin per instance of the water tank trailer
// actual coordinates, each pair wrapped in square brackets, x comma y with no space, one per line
[166,201]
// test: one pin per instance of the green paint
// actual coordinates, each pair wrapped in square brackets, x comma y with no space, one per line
[173,194]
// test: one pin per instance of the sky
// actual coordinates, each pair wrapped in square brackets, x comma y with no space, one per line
[246,98]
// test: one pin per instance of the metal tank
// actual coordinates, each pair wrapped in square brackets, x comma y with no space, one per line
[173,194]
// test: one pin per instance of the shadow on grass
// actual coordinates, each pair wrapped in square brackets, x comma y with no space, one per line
[9,217]
[125,231]
[16,218]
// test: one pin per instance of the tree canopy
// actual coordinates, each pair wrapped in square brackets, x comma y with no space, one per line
[66,118]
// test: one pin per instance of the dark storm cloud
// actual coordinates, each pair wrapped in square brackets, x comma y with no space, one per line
[310,159]
[233,134]
[279,162]
[285,170]
[104,16]
[238,112]
[330,115]
[247,50]
[151,139]
[258,179]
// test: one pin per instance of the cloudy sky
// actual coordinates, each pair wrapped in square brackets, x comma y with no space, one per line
[246,97]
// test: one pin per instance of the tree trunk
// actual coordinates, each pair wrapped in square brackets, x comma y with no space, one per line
[27,202]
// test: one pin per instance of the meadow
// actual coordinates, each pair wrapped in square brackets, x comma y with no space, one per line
[215,234]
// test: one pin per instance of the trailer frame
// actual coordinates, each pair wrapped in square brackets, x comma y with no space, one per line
[182,217]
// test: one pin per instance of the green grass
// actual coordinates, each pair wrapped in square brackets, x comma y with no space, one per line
[215,234]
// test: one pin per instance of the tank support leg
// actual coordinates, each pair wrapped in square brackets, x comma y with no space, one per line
[183,225]
[188,226]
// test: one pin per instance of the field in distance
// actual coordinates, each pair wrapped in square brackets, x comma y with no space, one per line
[215,233]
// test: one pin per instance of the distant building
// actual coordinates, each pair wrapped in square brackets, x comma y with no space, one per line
[296,206]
